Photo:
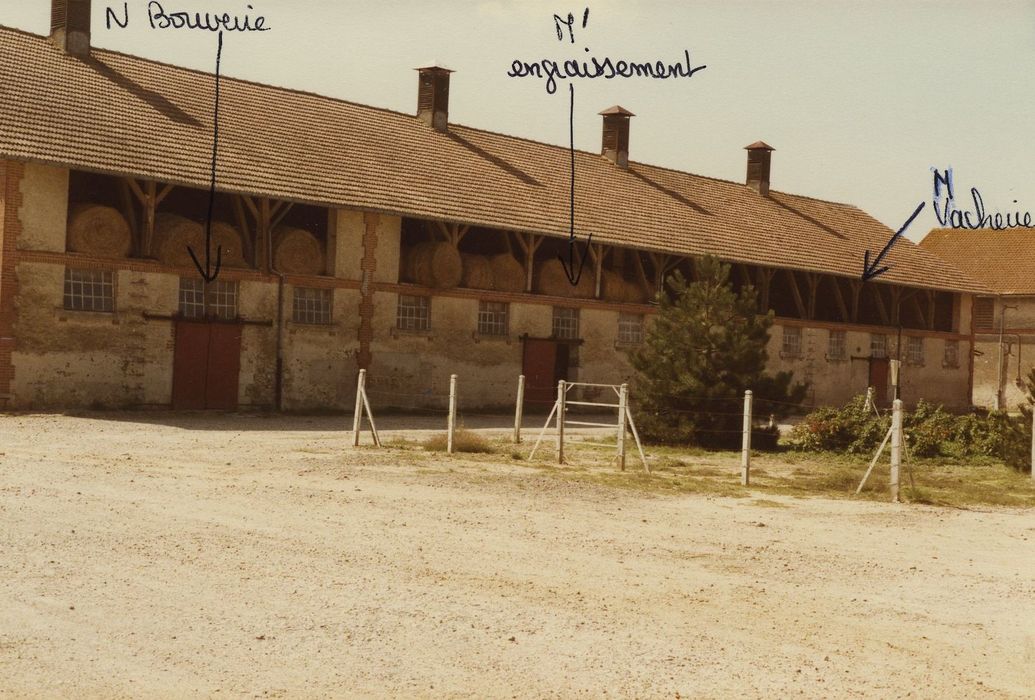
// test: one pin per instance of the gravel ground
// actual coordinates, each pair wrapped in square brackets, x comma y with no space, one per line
[161,556]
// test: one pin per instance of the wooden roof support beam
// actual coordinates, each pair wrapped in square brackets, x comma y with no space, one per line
[250,203]
[931,297]
[263,232]
[278,213]
[896,304]
[247,235]
[163,194]
[914,298]
[881,308]
[764,277]
[597,252]
[799,303]
[856,287]
[812,279]
[529,246]
[641,272]
[839,299]
[130,212]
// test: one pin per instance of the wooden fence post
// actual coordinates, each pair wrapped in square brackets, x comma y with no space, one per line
[896,446]
[745,447]
[451,424]
[623,412]
[519,408]
[357,416]
[560,421]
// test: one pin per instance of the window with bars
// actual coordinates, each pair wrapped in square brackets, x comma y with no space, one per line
[837,346]
[984,313]
[630,328]
[878,345]
[222,298]
[952,353]
[492,318]
[791,346]
[414,313]
[914,350]
[565,323]
[311,306]
[89,290]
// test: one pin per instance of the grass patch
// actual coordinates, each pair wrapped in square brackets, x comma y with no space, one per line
[463,441]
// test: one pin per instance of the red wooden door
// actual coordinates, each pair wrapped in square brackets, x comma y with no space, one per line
[539,365]
[879,367]
[224,366]
[190,365]
[206,365]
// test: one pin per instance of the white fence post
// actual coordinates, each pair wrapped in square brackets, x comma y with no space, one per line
[560,421]
[896,446]
[745,448]
[357,416]
[451,424]
[520,407]
[623,411]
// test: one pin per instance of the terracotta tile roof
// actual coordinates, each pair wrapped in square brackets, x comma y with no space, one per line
[126,115]
[1004,261]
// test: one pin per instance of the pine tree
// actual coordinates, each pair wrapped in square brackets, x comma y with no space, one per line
[706,346]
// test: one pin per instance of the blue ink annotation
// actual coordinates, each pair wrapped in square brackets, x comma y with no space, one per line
[948,215]
[205,21]
[605,68]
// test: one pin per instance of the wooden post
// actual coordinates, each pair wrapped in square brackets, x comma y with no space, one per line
[623,411]
[518,409]
[745,448]
[869,397]
[896,446]
[560,421]
[1033,445]
[357,416]
[451,422]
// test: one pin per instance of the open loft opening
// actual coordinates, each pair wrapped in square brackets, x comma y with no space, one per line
[121,217]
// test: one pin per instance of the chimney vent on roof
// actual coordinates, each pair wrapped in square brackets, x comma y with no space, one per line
[759,154]
[615,142]
[433,97]
[70,26]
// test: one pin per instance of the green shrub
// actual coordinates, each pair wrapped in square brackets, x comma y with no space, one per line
[930,430]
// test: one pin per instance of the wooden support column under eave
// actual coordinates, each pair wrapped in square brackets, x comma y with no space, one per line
[799,303]
[882,309]
[765,278]
[931,297]
[812,279]
[856,287]
[839,299]
[529,245]
[149,198]
[896,304]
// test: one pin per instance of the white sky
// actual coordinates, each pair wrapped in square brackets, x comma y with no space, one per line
[859,99]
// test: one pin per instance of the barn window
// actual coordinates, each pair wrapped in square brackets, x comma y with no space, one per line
[878,345]
[565,323]
[414,313]
[89,290]
[492,318]
[791,342]
[984,313]
[837,347]
[914,350]
[222,298]
[952,353]
[311,306]
[630,328]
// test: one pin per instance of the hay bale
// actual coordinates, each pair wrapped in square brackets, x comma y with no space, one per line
[173,234]
[551,279]
[228,239]
[297,252]
[508,275]
[99,230]
[435,264]
[614,287]
[476,272]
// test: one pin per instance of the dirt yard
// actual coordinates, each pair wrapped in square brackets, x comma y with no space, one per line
[159,556]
